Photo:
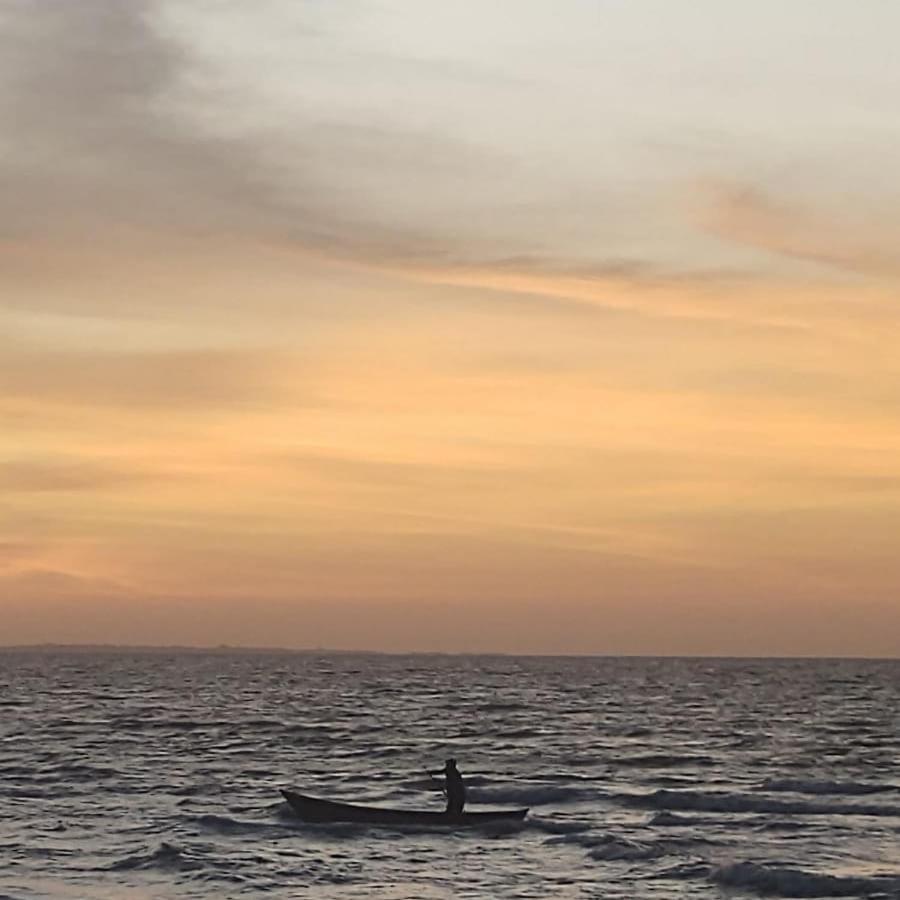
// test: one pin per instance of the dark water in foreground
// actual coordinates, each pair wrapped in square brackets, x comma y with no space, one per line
[139,775]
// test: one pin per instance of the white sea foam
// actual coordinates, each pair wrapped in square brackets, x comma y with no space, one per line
[613,847]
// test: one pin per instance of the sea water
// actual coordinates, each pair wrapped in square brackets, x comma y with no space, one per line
[129,774]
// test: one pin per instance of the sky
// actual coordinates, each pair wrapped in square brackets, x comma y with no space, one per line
[563,327]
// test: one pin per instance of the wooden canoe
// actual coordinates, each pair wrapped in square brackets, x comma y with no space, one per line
[312,809]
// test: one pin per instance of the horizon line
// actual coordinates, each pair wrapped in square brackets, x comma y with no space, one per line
[336,651]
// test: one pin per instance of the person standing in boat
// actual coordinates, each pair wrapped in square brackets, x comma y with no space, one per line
[453,785]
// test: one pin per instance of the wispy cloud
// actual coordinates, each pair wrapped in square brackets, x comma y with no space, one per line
[95,147]
[113,134]
[79,474]
[174,380]
[751,215]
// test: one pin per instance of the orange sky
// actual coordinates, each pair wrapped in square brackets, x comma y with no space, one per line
[319,331]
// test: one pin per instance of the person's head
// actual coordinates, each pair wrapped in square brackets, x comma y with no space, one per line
[450,765]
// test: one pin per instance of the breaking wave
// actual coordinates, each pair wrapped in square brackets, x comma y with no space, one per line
[627,850]
[611,847]
[783,881]
[227,825]
[812,786]
[700,801]
[167,857]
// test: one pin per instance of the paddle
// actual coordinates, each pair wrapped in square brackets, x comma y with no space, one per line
[443,788]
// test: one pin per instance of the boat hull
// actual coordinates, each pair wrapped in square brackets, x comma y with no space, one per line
[312,809]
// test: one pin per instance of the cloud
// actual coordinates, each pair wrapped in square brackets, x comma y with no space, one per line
[151,116]
[134,140]
[749,214]
[30,476]
[94,143]
[393,474]
[120,128]
[177,380]
[123,126]
[35,584]
[15,551]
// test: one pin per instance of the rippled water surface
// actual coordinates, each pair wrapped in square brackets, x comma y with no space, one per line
[156,774]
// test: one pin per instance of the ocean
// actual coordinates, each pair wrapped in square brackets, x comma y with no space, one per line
[156,774]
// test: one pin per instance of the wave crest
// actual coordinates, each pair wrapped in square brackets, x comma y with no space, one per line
[167,857]
[531,795]
[782,881]
[701,801]
[822,786]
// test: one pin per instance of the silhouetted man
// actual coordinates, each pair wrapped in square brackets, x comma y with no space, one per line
[453,784]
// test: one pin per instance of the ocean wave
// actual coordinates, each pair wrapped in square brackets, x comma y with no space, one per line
[673,820]
[199,788]
[628,851]
[783,881]
[630,731]
[33,793]
[167,857]
[148,723]
[608,847]
[670,781]
[813,786]
[781,825]
[558,827]
[312,730]
[580,761]
[503,706]
[227,825]
[520,733]
[260,723]
[477,780]
[753,822]
[74,772]
[15,771]
[531,795]
[664,760]
[683,871]
[742,803]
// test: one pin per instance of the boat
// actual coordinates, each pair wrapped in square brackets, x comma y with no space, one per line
[312,809]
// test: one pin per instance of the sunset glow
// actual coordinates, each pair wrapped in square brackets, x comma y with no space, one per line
[423,327]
